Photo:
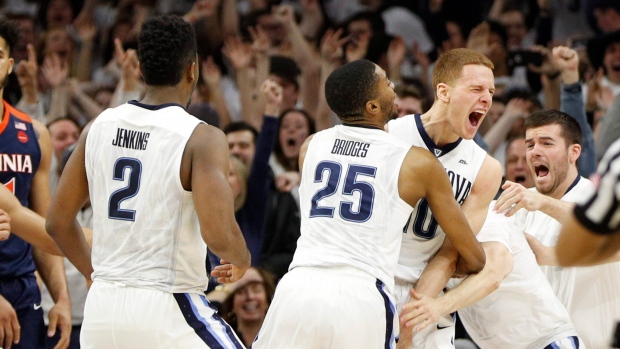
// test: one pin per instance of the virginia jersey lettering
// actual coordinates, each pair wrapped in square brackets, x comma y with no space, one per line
[145,229]
[20,156]
[422,236]
[352,213]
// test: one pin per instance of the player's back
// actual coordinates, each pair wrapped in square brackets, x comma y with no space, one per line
[352,213]
[523,312]
[423,236]
[145,229]
[590,294]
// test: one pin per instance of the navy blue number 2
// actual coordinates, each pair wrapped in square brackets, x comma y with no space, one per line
[351,185]
[135,170]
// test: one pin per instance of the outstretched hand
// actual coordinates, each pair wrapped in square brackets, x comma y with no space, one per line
[227,273]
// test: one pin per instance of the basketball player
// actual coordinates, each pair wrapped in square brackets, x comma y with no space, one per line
[357,190]
[510,283]
[553,141]
[464,87]
[157,179]
[592,234]
[25,153]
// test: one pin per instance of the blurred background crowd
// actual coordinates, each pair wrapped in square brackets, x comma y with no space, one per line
[77,57]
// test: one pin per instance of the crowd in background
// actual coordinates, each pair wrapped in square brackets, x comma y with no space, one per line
[76,58]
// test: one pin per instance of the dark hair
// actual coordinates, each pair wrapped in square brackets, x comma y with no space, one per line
[167,44]
[269,282]
[277,149]
[349,87]
[571,132]
[373,18]
[62,118]
[8,31]
[285,68]
[76,7]
[496,28]
[239,126]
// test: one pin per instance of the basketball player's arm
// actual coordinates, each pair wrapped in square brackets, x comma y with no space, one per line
[213,199]
[51,268]
[422,310]
[516,196]
[426,177]
[579,246]
[475,209]
[26,224]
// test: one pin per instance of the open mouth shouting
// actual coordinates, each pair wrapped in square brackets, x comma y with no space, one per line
[476,116]
[541,171]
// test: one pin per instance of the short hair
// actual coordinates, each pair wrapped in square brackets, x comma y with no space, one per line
[349,87]
[570,130]
[377,24]
[239,126]
[64,118]
[166,45]
[8,31]
[449,66]
[285,68]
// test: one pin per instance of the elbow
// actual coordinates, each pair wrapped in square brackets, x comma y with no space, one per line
[477,264]
[53,227]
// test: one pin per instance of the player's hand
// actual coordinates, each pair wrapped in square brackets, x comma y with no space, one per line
[60,318]
[516,197]
[420,312]
[544,255]
[227,273]
[9,325]
[5,226]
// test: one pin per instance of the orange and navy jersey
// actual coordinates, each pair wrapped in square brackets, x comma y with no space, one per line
[20,156]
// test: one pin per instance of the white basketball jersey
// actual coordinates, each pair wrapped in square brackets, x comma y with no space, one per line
[524,312]
[351,211]
[145,228]
[422,235]
[590,294]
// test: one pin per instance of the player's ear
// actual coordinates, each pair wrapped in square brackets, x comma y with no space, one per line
[443,92]
[372,106]
[574,151]
[192,71]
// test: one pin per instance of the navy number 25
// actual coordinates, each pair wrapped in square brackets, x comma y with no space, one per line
[114,205]
[351,184]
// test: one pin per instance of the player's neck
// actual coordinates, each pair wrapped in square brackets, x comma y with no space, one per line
[437,125]
[157,95]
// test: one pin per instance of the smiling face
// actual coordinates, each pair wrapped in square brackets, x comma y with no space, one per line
[294,130]
[611,61]
[550,159]
[470,99]
[250,301]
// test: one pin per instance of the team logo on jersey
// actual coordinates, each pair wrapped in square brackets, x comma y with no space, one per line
[20,125]
[22,136]
[437,152]
[462,162]
[10,185]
